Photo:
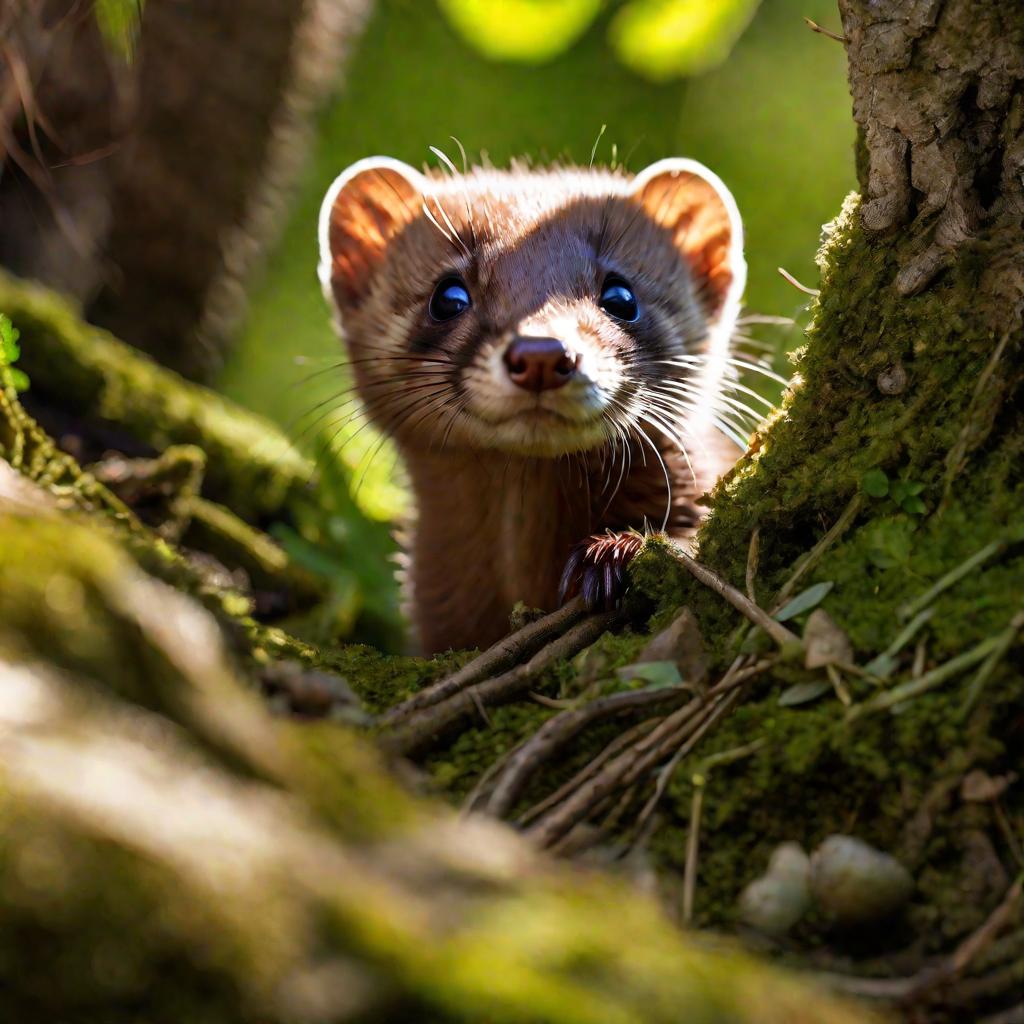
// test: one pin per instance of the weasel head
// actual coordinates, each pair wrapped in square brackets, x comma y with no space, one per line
[533,312]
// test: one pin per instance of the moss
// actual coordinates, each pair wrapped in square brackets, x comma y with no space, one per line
[817,773]
[380,680]
[251,467]
[167,849]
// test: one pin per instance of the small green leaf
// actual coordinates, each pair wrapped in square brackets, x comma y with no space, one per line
[803,693]
[19,379]
[875,483]
[804,601]
[658,675]
[913,505]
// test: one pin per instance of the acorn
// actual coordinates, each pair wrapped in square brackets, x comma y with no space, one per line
[853,883]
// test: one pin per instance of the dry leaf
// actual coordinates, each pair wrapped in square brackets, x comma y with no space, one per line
[825,643]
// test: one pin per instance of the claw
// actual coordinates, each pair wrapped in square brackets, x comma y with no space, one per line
[596,567]
[568,582]
[591,587]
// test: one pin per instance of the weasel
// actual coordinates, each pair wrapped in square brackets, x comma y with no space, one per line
[548,349]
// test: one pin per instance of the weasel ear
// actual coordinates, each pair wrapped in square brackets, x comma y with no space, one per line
[694,205]
[366,206]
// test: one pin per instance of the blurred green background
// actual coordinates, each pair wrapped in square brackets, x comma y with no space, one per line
[771,117]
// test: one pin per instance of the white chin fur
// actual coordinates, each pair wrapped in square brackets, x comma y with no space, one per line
[539,435]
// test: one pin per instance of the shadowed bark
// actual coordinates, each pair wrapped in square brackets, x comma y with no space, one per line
[150,190]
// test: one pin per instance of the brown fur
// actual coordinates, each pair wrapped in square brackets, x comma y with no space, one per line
[506,481]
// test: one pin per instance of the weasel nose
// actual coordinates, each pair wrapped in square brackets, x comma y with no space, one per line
[539,364]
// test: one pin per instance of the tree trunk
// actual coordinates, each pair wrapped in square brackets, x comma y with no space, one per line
[149,191]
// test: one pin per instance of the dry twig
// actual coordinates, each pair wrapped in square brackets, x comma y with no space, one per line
[557,730]
[782,636]
[636,760]
[418,730]
[502,655]
[815,27]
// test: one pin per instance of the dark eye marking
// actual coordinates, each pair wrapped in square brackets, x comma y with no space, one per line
[450,299]
[618,301]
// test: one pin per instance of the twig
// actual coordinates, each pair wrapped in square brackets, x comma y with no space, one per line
[996,921]
[484,717]
[633,762]
[666,773]
[815,27]
[753,553]
[977,684]
[554,703]
[613,816]
[840,688]
[911,608]
[907,633]
[811,559]
[692,849]
[782,636]
[955,458]
[505,653]
[796,284]
[420,729]
[469,804]
[929,681]
[616,746]
[1006,827]
[562,727]
[920,653]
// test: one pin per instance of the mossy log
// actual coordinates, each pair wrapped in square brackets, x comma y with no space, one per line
[87,372]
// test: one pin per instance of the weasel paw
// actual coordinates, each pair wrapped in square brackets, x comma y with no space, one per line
[596,568]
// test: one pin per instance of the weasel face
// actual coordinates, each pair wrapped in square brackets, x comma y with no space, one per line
[539,313]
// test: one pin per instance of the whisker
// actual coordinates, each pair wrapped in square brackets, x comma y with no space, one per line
[691,361]
[451,227]
[712,400]
[664,470]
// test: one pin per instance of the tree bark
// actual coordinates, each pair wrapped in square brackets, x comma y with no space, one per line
[157,185]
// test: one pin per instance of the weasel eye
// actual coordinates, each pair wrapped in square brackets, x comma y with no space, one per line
[618,300]
[450,298]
